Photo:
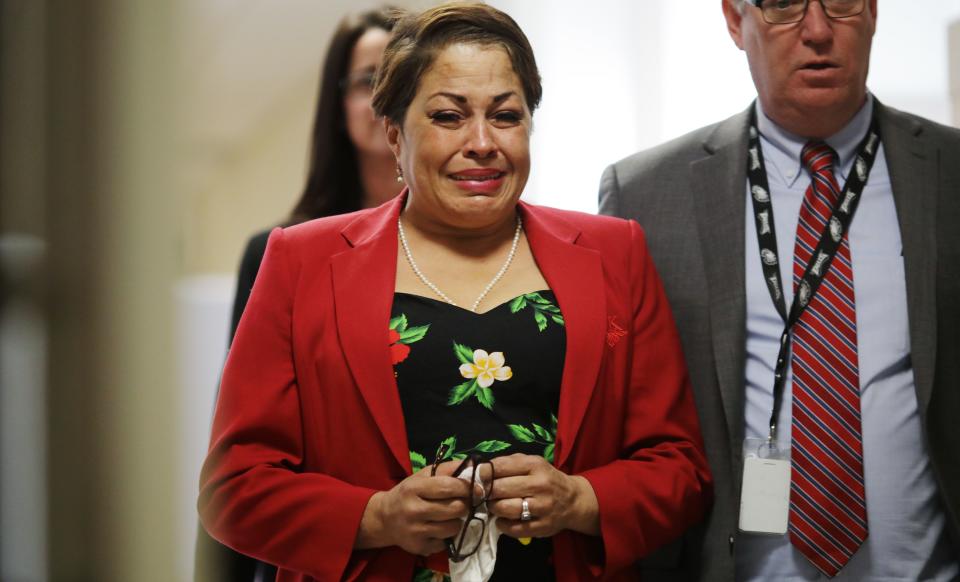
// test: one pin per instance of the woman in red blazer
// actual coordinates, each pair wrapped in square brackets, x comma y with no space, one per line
[569,375]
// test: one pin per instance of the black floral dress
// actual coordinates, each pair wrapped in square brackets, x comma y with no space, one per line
[486,383]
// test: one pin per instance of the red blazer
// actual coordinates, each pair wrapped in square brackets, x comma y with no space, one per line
[309,425]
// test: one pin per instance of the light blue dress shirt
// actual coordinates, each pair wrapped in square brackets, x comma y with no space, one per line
[907,538]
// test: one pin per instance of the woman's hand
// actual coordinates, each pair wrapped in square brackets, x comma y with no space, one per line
[417,514]
[557,501]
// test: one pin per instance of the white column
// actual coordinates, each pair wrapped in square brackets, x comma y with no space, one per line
[23,426]
[953,57]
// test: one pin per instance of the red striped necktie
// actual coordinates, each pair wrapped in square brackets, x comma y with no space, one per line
[828,512]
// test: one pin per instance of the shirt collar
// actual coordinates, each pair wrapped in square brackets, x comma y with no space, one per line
[789,145]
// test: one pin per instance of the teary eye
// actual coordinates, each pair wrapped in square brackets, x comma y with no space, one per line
[445,117]
[508,117]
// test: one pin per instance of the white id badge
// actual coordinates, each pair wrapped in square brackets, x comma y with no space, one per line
[765,496]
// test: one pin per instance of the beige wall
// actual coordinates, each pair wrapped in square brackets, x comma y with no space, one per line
[248,82]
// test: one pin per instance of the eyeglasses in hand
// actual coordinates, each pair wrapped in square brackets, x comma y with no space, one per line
[467,542]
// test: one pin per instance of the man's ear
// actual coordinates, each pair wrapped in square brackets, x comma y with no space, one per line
[733,13]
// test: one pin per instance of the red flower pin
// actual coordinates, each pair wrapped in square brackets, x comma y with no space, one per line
[614,331]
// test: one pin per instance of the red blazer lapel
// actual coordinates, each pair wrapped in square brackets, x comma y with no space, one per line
[364,278]
[575,275]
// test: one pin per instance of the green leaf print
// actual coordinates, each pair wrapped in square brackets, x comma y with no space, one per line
[417,461]
[541,320]
[413,334]
[538,435]
[464,354]
[548,452]
[537,298]
[491,446]
[543,433]
[521,433]
[451,443]
[542,309]
[485,396]
[399,323]
[427,575]
[461,392]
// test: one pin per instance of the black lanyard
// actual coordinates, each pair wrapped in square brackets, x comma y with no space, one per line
[823,254]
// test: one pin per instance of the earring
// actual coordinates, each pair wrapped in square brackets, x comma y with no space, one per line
[399,174]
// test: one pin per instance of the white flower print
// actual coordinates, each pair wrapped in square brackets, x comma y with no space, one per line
[486,368]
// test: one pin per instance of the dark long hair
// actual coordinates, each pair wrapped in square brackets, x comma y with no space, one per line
[333,180]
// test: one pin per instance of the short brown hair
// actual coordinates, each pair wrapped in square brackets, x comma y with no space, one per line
[419,37]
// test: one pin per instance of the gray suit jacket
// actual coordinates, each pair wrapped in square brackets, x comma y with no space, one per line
[689,195]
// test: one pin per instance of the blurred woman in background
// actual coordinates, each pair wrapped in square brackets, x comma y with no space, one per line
[351,167]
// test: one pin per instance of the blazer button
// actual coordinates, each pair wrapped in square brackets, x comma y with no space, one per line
[731,544]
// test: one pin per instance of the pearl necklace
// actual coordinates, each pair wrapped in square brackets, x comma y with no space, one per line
[441,294]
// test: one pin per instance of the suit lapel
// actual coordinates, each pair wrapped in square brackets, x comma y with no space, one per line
[575,275]
[718,183]
[364,278]
[913,169]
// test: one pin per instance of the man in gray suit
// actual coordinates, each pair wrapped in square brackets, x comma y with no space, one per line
[816,182]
